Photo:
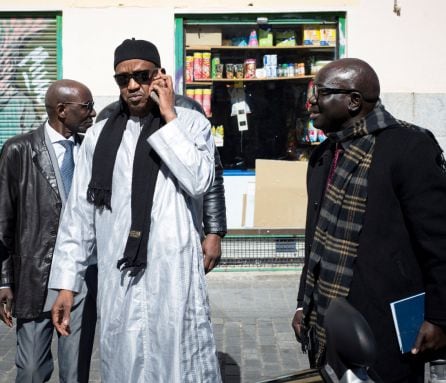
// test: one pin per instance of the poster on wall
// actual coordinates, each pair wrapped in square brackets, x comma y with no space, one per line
[28,64]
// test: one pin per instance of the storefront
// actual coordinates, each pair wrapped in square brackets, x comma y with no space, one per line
[252,74]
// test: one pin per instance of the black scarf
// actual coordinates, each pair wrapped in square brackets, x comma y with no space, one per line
[146,165]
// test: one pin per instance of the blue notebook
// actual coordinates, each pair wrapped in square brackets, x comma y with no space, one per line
[408,315]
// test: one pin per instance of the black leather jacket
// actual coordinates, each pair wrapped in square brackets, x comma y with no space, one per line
[214,206]
[30,206]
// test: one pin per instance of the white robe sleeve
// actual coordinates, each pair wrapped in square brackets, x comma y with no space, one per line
[75,244]
[186,147]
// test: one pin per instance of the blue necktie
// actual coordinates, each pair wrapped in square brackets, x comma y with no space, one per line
[67,167]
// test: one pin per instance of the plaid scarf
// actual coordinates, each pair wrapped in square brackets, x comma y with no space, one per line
[336,239]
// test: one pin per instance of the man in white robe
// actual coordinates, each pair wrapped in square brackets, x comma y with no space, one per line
[152,296]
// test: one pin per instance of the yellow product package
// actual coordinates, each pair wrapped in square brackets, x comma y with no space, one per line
[312,35]
[328,36]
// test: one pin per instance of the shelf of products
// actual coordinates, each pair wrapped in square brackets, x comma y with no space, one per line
[253,83]
[231,80]
[263,48]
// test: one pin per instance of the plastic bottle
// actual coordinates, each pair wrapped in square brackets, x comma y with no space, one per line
[220,131]
[215,60]
[219,136]
[253,41]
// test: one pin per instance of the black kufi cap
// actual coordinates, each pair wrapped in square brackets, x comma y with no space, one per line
[137,49]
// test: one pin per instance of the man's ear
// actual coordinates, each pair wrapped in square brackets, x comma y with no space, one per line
[61,110]
[355,104]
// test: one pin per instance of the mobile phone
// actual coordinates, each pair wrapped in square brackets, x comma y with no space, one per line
[154,97]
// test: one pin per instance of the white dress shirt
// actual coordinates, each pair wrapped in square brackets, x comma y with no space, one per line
[59,149]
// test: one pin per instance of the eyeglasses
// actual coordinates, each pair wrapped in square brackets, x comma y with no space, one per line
[88,105]
[140,76]
[324,91]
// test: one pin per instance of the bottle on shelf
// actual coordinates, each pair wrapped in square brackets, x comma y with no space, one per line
[218,133]
[189,69]
[214,62]
[207,101]
[253,41]
[190,93]
[198,95]
[198,65]
[206,66]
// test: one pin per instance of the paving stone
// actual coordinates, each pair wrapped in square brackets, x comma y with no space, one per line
[251,316]
[267,340]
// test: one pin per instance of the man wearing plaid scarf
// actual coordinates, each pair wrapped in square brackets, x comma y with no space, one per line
[376,221]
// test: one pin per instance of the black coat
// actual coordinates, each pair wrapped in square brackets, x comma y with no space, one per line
[402,247]
[30,207]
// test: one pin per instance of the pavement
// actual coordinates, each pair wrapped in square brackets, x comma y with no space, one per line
[251,314]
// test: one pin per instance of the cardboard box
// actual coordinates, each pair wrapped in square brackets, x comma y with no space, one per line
[328,36]
[311,35]
[203,35]
[280,194]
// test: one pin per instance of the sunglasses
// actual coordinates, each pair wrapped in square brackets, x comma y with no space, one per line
[324,91]
[140,76]
[89,105]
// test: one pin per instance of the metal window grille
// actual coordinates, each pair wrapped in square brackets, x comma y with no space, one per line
[262,251]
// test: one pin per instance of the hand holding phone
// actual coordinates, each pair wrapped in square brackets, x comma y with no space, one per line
[163,95]
[154,97]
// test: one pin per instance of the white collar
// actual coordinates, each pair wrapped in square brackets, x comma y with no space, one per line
[54,135]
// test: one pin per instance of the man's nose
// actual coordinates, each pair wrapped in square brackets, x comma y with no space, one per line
[133,84]
[312,100]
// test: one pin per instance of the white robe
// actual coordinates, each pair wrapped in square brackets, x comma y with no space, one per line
[155,327]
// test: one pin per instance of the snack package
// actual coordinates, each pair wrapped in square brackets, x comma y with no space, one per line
[265,36]
[250,68]
[285,38]
[230,72]
[206,66]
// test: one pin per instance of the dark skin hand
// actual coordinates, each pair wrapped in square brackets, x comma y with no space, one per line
[211,246]
[60,312]
[6,299]
[163,86]
[296,323]
[430,338]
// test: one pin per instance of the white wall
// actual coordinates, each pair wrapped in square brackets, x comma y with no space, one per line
[90,36]
[407,51]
